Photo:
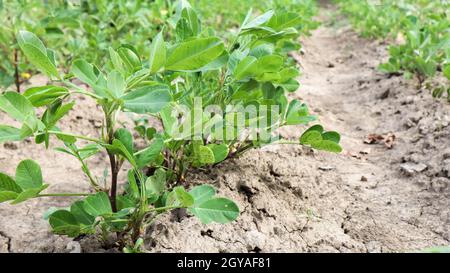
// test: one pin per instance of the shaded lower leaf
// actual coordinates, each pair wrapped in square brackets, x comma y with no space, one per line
[156,184]
[126,138]
[80,214]
[205,155]
[117,147]
[63,222]
[124,201]
[220,151]
[149,154]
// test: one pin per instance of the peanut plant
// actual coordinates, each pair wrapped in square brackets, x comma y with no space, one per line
[214,100]
[422,28]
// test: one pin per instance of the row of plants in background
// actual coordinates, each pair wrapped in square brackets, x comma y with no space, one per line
[15,15]
[86,29]
[226,15]
[421,31]
[193,72]
[77,28]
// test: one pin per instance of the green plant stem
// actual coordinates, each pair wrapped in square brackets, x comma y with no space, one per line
[89,175]
[16,70]
[80,90]
[138,81]
[115,166]
[75,136]
[139,214]
[165,208]
[242,150]
[288,142]
[64,194]
[120,220]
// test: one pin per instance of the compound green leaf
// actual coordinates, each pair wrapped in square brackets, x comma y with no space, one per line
[291,85]
[157,53]
[446,71]
[202,193]
[219,210]
[92,76]
[149,154]
[192,19]
[30,125]
[29,175]
[117,147]
[156,184]
[147,99]
[9,133]
[16,105]
[194,54]
[116,84]
[332,136]
[297,113]
[126,138]
[7,195]
[7,183]
[317,139]
[263,18]
[179,197]
[220,151]
[129,59]
[97,205]
[244,67]
[44,95]
[28,194]
[284,20]
[55,112]
[78,211]
[327,145]
[117,62]
[37,54]
[64,223]
[205,155]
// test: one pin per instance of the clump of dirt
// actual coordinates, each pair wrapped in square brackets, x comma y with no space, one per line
[370,198]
